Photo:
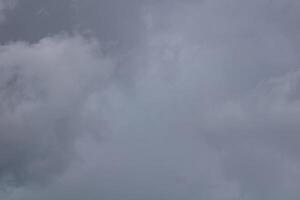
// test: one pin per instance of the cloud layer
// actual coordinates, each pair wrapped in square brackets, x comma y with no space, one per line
[6,5]
[193,100]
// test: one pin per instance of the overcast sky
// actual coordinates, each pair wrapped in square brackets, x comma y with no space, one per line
[149,99]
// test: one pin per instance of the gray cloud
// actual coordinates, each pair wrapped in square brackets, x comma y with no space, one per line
[5,6]
[44,90]
[211,111]
[32,20]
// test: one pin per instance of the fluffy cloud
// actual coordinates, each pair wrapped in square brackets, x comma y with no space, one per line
[44,92]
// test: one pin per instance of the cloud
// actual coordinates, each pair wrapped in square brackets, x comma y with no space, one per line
[205,106]
[258,135]
[228,75]
[6,5]
[44,91]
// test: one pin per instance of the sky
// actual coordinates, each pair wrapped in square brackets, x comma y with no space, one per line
[149,99]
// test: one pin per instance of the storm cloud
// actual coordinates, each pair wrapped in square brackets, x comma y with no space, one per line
[150,100]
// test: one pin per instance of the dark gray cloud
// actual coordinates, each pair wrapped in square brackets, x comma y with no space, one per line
[31,20]
[211,111]
[6,6]
[114,23]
